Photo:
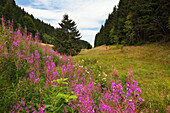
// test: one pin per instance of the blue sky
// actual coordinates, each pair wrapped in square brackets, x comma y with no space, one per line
[88,14]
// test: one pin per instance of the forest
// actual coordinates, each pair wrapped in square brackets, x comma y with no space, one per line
[136,22]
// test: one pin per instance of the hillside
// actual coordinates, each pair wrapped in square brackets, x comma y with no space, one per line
[150,65]
[136,22]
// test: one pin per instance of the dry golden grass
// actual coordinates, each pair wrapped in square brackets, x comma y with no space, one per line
[47,44]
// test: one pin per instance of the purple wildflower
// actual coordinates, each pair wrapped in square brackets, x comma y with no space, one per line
[35,80]
[10,32]
[20,108]
[22,102]
[0,49]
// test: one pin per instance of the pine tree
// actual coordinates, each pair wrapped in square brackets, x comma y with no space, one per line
[69,37]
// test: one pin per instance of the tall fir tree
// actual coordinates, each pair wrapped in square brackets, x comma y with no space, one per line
[69,43]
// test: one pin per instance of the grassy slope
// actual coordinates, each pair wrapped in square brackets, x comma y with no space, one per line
[150,65]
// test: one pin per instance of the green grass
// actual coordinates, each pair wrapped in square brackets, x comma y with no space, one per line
[150,65]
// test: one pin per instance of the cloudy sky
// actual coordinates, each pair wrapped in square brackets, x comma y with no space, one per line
[88,14]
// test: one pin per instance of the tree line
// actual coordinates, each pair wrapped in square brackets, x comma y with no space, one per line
[66,40]
[135,22]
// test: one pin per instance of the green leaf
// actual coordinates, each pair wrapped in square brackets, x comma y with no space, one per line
[59,80]
[61,88]
[64,82]
[72,97]
[48,106]
[65,79]
[54,81]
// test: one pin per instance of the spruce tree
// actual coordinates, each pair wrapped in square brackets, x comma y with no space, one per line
[69,37]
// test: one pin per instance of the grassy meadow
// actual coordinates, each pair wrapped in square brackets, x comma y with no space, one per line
[150,65]
[107,79]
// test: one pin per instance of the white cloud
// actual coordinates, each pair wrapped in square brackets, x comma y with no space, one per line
[86,13]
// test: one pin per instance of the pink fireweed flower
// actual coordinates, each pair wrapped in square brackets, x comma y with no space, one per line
[29,42]
[64,59]
[44,57]
[32,75]
[0,49]
[6,53]
[2,19]
[141,99]
[9,22]
[42,108]
[25,29]
[99,85]
[22,56]
[35,80]
[83,79]
[136,94]
[30,61]
[56,73]
[32,55]
[26,107]
[105,108]
[22,102]
[20,108]
[18,68]
[37,54]
[23,51]
[78,89]
[37,33]
[10,32]
[15,43]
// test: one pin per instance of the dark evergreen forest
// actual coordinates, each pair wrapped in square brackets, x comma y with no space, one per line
[135,22]
[47,33]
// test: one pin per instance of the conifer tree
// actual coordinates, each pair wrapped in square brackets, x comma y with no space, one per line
[8,11]
[69,37]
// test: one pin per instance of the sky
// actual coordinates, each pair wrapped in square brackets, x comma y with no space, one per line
[89,15]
